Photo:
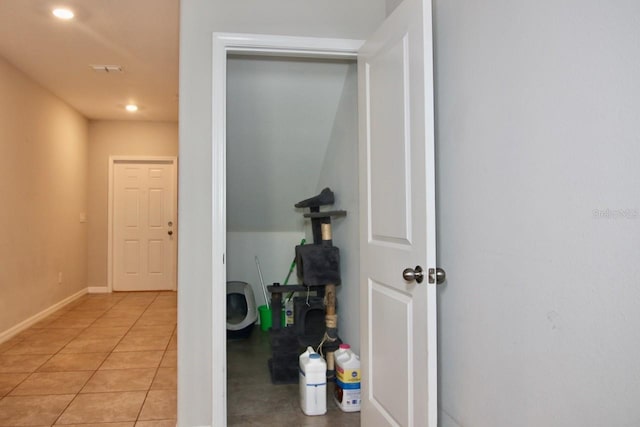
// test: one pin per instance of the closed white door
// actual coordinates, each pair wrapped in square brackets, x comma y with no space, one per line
[144,226]
[397,205]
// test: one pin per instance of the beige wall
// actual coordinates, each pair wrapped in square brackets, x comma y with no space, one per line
[117,138]
[43,188]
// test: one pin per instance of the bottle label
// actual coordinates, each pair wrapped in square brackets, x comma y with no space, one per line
[348,386]
[350,399]
[347,396]
[347,376]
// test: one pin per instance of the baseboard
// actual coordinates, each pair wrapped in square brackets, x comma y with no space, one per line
[15,330]
[97,290]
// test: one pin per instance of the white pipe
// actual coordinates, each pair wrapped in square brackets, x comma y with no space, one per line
[264,288]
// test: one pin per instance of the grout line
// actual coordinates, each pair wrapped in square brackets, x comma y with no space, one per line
[96,370]
[18,385]
[74,310]
[141,407]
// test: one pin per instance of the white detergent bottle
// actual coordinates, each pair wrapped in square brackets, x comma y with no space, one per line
[347,390]
[313,383]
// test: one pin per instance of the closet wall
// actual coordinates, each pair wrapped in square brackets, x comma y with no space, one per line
[291,131]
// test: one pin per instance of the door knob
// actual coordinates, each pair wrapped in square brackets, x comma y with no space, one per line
[437,275]
[411,274]
[170,232]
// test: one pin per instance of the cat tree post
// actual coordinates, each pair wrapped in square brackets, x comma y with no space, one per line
[331,318]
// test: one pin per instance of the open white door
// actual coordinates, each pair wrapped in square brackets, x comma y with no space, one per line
[397,205]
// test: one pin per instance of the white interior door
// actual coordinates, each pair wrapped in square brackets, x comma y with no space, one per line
[397,204]
[144,226]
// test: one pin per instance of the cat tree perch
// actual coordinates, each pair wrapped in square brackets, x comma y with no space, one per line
[318,268]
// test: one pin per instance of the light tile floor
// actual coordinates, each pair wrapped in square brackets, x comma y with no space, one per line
[104,360]
[109,360]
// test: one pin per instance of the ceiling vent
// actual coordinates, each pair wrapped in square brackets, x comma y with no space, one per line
[106,68]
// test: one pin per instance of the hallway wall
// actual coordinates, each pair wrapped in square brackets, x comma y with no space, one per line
[538,124]
[117,138]
[198,19]
[43,186]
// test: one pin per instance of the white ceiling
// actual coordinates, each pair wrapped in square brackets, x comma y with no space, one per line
[140,35]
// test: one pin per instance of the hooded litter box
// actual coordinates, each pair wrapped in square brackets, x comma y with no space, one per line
[241,310]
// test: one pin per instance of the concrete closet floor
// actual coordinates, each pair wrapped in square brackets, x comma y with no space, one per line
[252,400]
[106,358]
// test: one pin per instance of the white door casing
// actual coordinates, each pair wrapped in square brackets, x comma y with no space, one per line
[143,224]
[397,205]
[224,43]
[406,239]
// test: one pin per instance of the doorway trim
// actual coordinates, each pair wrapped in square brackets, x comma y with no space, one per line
[133,159]
[254,44]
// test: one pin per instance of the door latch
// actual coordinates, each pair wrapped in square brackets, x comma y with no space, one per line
[437,276]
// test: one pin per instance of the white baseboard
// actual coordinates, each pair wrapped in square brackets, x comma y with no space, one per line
[15,330]
[97,290]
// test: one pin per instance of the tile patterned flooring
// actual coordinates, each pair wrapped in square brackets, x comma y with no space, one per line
[109,360]
[104,360]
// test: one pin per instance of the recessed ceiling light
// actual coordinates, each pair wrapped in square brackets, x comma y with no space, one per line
[131,108]
[63,13]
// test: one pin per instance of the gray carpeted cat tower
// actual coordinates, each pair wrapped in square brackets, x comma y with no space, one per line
[315,318]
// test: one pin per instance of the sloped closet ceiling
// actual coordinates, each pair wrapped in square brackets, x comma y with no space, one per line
[280,117]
